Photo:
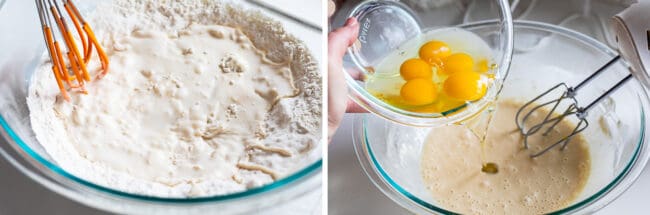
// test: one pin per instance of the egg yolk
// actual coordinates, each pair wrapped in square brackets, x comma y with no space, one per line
[434,52]
[458,62]
[415,68]
[466,86]
[419,92]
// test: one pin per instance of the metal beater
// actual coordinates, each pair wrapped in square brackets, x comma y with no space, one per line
[633,36]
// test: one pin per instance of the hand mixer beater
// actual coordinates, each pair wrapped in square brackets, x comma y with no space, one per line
[567,96]
[49,11]
[633,36]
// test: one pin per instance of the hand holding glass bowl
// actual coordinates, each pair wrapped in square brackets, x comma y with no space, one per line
[388,28]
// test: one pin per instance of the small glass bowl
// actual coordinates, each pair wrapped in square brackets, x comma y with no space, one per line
[390,153]
[385,25]
[21,52]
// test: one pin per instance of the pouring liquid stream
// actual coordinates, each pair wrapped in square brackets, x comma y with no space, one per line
[480,130]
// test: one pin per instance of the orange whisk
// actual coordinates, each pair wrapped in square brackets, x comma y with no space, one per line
[73,71]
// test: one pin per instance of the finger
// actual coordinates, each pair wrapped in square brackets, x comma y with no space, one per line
[353,107]
[342,38]
[331,7]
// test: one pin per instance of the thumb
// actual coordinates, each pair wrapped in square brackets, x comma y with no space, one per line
[342,38]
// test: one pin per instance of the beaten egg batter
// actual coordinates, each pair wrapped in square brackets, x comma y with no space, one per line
[451,168]
[191,110]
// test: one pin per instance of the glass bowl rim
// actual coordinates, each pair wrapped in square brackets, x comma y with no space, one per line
[309,170]
[380,108]
[374,170]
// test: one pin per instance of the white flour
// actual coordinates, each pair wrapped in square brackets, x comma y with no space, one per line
[202,98]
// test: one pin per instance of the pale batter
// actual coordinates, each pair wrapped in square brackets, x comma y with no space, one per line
[193,105]
[451,168]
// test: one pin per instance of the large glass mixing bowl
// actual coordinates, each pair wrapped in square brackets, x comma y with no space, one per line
[22,47]
[544,56]
[386,25]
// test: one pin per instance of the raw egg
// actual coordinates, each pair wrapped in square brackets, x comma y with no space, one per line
[466,86]
[458,62]
[434,52]
[419,92]
[435,72]
[415,68]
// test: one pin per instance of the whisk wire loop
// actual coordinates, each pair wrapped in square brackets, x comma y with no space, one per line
[73,73]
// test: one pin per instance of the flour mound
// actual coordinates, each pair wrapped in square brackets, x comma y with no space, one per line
[286,139]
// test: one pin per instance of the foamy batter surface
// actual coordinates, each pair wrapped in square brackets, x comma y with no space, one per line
[451,168]
[201,98]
